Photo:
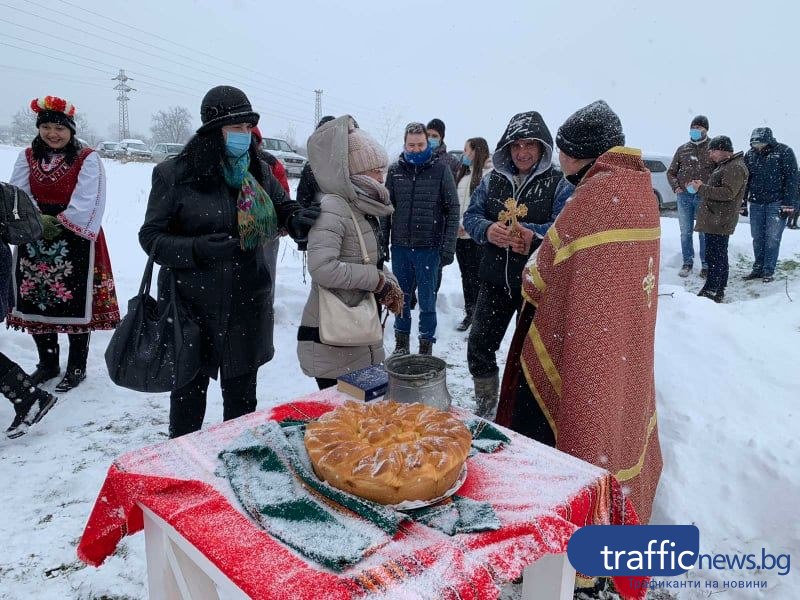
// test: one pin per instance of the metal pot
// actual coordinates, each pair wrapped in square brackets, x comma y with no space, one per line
[418,378]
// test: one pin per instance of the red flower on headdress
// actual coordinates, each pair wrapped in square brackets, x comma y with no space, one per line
[56,103]
[53,103]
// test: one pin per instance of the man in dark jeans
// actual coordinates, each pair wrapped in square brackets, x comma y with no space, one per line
[423,232]
[523,172]
[771,192]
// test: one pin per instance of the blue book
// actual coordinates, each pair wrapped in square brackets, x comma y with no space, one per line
[364,384]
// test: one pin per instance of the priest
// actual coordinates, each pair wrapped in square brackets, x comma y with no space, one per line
[579,375]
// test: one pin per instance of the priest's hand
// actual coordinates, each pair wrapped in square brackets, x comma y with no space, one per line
[499,235]
[521,240]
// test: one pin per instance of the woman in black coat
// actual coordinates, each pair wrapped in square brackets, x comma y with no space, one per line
[209,211]
[30,402]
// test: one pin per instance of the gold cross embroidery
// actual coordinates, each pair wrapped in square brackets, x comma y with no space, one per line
[512,212]
[649,283]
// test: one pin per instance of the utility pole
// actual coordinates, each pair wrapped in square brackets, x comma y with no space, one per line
[318,107]
[123,88]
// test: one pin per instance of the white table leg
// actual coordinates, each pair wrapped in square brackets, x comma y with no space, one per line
[176,570]
[549,578]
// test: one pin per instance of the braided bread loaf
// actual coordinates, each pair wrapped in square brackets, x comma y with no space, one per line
[388,452]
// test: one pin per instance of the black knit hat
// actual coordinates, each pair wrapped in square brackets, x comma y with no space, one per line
[437,125]
[590,131]
[225,105]
[700,121]
[57,117]
[325,119]
[721,142]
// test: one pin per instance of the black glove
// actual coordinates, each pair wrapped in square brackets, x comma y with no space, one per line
[446,258]
[304,219]
[215,246]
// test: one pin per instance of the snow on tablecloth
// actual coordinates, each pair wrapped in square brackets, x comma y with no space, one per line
[540,495]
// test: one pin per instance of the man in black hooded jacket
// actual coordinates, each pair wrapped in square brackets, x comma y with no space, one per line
[523,172]
[771,192]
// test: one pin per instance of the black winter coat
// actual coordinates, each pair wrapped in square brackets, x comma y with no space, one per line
[6,294]
[773,174]
[307,188]
[231,298]
[426,210]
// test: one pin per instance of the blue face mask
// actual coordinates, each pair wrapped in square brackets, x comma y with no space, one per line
[696,135]
[690,189]
[433,143]
[466,160]
[236,143]
[418,158]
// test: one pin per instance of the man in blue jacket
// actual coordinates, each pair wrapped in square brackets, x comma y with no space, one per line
[771,192]
[423,232]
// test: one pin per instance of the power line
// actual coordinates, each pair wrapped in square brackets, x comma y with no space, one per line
[113,68]
[193,50]
[129,59]
[227,64]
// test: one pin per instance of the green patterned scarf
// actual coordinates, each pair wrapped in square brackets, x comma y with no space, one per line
[256,216]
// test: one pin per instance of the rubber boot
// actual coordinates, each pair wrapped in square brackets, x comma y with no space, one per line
[486,396]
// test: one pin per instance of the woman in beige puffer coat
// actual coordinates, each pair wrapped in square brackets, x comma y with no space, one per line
[348,166]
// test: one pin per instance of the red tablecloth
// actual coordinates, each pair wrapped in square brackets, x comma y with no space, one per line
[540,495]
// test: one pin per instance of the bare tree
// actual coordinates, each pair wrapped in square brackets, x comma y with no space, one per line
[290,135]
[23,126]
[85,131]
[172,125]
[390,129]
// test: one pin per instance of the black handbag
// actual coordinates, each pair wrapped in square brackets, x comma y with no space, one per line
[20,222]
[152,351]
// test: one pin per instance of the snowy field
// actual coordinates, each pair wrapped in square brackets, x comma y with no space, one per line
[727,378]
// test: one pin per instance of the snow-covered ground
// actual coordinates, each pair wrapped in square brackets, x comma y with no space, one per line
[727,378]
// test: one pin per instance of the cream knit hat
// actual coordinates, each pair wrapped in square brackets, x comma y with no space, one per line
[364,153]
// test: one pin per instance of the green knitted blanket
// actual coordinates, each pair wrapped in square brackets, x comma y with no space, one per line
[270,473]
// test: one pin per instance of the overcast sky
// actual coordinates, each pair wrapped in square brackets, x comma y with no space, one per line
[472,64]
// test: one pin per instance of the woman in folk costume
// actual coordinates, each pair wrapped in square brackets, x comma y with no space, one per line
[579,374]
[63,283]
[30,402]
[210,211]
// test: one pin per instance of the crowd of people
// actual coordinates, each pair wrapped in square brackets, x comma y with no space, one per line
[573,252]
[714,185]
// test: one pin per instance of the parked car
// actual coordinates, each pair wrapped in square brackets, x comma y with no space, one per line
[131,149]
[108,149]
[658,165]
[164,150]
[291,160]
